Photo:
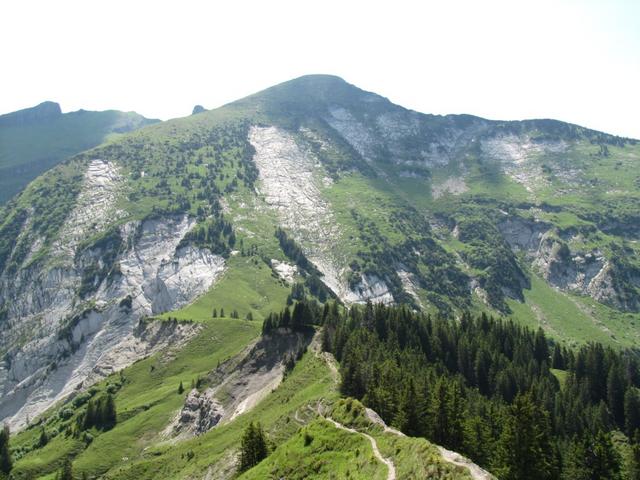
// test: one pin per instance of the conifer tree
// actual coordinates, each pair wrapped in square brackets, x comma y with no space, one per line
[286,318]
[90,415]
[615,394]
[67,470]
[297,319]
[110,415]
[631,411]
[44,438]
[634,460]
[180,388]
[6,462]
[253,447]
[541,348]
[477,439]
[524,450]
[592,458]
[557,360]
[408,416]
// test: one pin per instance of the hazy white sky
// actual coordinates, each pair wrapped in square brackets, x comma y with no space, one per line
[573,60]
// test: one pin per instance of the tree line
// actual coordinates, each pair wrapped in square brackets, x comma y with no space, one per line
[486,387]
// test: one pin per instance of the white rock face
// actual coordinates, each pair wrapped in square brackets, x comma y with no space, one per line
[516,154]
[587,274]
[159,274]
[452,185]
[291,182]
[200,413]
[371,288]
[285,271]
[403,138]
[358,136]
[237,385]
[95,207]
[409,284]
[73,342]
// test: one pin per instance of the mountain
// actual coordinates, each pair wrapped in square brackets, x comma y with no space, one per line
[35,139]
[312,189]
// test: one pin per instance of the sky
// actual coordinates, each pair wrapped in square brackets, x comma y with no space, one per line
[577,61]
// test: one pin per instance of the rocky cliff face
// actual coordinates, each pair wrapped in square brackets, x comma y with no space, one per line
[239,384]
[357,184]
[587,273]
[71,317]
[291,181]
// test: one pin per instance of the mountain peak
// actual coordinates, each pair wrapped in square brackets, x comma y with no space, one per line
[311,93]
[41,112]
[198,109]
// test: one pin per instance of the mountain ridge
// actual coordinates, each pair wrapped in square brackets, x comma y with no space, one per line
[32,140]
[410,208]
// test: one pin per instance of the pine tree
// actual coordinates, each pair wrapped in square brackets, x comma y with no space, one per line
[478,443]
[634,460]
[575,467]
[592,458]
[481,371]
[524,450]
[67,470]
[606,464]
[222,313]
[286,318]
[215,313]
[253,447]
[541,348]
[437,412]
[109,415]
[631,411]
[407,417]
[90,415]
[297,319]
[44,438]
[180,388]
[6,462]
[558,360]
[615,394]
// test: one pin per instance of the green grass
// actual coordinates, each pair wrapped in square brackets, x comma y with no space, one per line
[414,458]
[248,285]
[146,402]
[559,315]
[310,380]
[331,453]
[561,375]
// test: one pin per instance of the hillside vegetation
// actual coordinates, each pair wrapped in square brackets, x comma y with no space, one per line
[477,282]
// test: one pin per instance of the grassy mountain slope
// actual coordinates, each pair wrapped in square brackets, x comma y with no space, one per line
[34,140]
[398,186]
[312,188]
[147,399]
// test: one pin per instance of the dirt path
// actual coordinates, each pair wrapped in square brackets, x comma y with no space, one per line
[391,475]
[316,348]
[452,457]
[335,374]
